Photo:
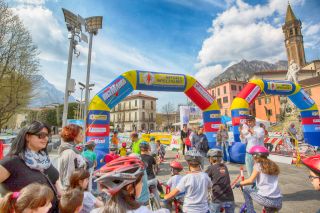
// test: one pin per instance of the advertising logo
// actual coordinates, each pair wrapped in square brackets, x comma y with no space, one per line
[98,117]
[204,93]
[306,97]
[98,140]
[214,115]
[315,113]
[113,89]
[279,86]
[148,78]
[253,94]
[243,112]
[97,129]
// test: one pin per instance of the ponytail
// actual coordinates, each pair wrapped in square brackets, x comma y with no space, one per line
[7,204]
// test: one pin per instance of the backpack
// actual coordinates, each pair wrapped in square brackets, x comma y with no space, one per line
[203,145]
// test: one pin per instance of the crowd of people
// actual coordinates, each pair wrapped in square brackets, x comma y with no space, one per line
[31,184]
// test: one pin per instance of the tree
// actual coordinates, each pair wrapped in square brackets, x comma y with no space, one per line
[18,64]
[167,110]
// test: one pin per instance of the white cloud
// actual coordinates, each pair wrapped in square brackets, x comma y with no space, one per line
[312,30]
[205,74]
[244,31]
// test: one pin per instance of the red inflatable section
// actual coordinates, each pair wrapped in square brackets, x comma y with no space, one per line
[250,92]
[200,96]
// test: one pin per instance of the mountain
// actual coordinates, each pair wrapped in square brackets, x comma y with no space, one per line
[45,93]
[243,70]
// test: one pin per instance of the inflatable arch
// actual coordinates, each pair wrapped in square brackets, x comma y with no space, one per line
[308,109]
[98,120]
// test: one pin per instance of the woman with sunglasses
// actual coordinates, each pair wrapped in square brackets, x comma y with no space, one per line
[28,162]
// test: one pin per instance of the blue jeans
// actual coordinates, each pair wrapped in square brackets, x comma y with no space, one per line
[225,148]
[249,164]
[228,207]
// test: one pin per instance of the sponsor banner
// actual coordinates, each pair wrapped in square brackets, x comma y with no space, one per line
[309,114]
[236,121]
[211,126]
[99,140]
[310,120]
[116,91]
[311,128]
[249,92]
[240,112]
[161,81]
[101,130]
[278,87]
[163,137]
[212,116]
[302,100]
[200,96]
[98,117]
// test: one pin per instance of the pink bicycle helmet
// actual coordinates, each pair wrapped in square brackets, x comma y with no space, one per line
[313,163]
[119,173]
[176,165]
[259,151]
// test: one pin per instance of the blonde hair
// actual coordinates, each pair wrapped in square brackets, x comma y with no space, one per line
[222,127]
[33,196]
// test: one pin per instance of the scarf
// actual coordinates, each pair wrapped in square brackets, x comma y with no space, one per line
[36,160]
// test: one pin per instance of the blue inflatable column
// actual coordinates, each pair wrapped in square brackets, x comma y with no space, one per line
[211,121]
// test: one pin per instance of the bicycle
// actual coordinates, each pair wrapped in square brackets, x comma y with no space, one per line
[154,200]
[177,202]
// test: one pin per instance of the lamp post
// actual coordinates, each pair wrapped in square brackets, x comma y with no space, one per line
[74,28]
[93,24]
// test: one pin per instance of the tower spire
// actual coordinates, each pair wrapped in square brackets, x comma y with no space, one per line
[290,15]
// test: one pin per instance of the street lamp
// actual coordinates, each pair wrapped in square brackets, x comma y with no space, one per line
[74,28]
[92,25]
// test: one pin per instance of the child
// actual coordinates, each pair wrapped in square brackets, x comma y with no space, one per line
[32,198]
[153,146]
[222,195]
[150,163]
[161,150]
[91,158]
[265,175]
[71,201]
[79,179]
[175,178]
[123,150]
[112,155]
[195,185]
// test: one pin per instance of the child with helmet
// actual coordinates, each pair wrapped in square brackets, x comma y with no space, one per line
[265,173]
[174,180]
[112,154]
[123,149]
[122,180]
[195,185]
[222,195]
[313,164]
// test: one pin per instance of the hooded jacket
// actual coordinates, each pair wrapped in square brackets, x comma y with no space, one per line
[69,160]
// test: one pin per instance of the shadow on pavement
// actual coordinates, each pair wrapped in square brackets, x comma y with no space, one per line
[305,195]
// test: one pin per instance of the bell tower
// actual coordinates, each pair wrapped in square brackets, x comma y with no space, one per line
[293,39]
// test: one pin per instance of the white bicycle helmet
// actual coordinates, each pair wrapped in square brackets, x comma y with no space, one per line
[193,157]
[215,153]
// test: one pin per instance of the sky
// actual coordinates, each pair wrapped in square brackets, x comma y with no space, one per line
[197,37]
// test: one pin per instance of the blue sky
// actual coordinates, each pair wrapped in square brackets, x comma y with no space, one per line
[197,37]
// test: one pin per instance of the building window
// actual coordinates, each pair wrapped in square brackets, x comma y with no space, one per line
[234,97]
[136,103]
[143,116]
[267,100]
[269,112]
[143,104]
[119,106]
[240,88]
[151,116]
[218,91]
[225,89]
[225,99]
[151,104]
[259,101]
[130,105]
[219,101]
[129,116]
[291,31]
[233,87]
[135,116]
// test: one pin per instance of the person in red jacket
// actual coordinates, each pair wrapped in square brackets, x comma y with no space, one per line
[112,155]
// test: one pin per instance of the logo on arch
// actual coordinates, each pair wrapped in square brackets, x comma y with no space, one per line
[148,78]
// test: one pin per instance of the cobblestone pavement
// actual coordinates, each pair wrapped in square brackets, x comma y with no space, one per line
[298,194]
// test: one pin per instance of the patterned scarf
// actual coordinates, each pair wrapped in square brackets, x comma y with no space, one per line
[36,160]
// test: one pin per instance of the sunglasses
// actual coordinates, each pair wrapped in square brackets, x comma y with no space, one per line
[311,177]
[41,135]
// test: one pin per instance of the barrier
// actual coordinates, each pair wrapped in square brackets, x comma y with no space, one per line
[308,109]
[98,119]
